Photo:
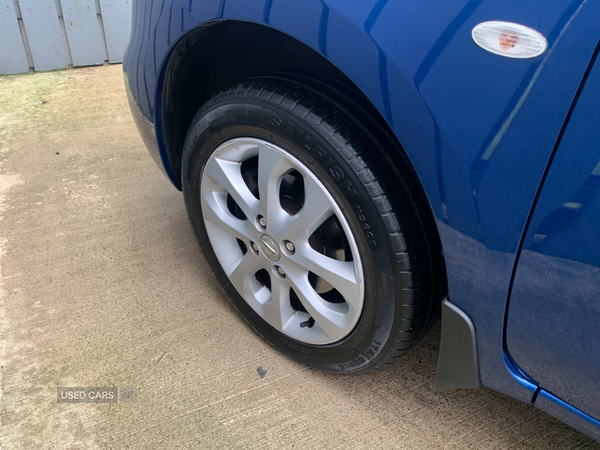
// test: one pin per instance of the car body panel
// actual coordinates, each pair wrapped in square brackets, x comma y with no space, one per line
[568,414]
[478,128]
[552,327]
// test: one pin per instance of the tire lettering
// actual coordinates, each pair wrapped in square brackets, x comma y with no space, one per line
[275,121]
[376,345]
[319,152]
[326,163]
[288,127]
[348,189]
[356,362]
[367,355]
[336,173]
[303,137]
[365,226]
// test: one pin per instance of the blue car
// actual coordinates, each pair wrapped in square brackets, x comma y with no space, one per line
[355,170]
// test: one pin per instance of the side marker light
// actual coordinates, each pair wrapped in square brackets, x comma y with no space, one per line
[509,39]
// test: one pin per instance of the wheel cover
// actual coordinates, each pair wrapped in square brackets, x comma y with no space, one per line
[267,251]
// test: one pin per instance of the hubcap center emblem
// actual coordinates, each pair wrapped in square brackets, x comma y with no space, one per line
[269,247]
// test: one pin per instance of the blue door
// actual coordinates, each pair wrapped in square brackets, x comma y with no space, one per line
[553,323]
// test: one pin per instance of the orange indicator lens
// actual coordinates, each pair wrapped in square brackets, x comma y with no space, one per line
[507,41]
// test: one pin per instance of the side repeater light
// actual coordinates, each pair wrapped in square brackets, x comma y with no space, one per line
[509,39]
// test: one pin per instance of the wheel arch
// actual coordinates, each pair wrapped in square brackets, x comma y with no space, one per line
[214,55]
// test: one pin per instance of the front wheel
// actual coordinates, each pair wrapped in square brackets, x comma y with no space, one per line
[312,236]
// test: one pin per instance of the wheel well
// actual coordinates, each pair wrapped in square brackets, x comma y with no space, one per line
[218,54]
[213,57]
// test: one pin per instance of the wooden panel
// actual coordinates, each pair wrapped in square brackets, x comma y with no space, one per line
[16,5]
[83,32]
[13,58]
[43,34]
[116,16]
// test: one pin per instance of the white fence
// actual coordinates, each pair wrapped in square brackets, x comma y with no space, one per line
[54,34]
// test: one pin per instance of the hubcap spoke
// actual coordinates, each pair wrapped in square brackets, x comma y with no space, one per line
[315,211]
[280,310]
[228,175]
[213,211]
[340,274]
[329,317]
[241,275]
[272,165]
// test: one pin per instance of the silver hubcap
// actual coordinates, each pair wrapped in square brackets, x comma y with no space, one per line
[305,276]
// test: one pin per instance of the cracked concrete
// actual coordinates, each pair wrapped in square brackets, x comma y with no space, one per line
[103,285]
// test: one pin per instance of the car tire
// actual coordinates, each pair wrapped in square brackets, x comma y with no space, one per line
[313,236]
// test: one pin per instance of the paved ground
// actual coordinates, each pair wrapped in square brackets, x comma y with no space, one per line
[103,285]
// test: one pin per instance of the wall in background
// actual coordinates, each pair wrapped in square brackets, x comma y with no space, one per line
[54,34]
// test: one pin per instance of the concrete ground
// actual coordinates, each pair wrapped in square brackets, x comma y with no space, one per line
[103,285]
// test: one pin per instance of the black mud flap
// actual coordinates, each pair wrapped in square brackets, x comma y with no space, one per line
[457,363]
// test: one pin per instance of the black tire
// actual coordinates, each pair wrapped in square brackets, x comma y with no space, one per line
[374,199]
